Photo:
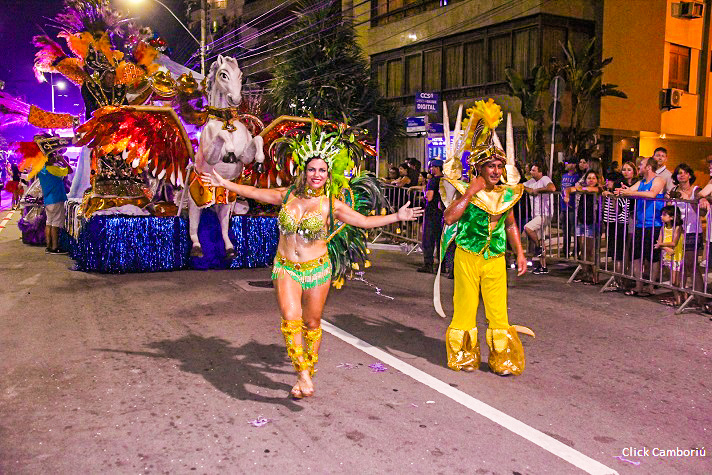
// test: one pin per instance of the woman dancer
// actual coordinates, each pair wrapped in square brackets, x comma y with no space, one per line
[302,269]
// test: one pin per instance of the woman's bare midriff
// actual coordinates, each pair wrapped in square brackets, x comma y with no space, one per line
[297,249]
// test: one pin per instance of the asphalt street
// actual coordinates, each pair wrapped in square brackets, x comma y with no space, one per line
[185,372]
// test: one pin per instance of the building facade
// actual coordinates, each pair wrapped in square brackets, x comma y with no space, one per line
[459,50]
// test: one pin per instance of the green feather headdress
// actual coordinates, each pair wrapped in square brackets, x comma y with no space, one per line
[331,146]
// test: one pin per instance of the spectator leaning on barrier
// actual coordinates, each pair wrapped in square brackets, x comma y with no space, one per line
[616,214]
[647,221]
[392,175]
[414,167]
[568,216]
[587,224]
[433,217]
[684,177]
[704,197]
[538,226]
[660,156]
[403,180]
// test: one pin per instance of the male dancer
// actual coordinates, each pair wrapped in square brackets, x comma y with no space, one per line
[484,223]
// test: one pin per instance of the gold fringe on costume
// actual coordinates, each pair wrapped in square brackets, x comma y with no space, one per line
[312,340]
[290,329]
[463,349]
[506,351]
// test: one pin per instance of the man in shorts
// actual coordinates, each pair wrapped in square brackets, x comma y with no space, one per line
[52,182]
[647,222]
[538,226]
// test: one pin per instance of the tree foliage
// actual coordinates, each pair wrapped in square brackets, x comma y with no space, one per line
[324,73]
[583,72]
[530,91]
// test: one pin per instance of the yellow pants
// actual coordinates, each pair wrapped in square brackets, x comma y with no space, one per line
[472,274]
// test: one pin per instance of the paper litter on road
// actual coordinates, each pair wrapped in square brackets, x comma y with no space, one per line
[378,367]
[259,422]
[620,457]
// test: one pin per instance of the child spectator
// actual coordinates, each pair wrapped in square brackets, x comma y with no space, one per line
[671,245]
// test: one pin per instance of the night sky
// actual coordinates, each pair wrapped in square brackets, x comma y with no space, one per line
[20,20]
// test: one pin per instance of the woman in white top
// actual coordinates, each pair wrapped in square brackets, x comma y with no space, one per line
[684,177]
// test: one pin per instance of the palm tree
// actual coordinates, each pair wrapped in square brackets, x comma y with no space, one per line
[583,73]
[324,73]
[529,91]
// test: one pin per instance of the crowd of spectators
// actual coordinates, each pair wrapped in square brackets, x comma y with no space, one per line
[647,217]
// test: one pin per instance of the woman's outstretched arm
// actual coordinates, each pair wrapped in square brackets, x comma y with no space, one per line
[273,196]
[349,216]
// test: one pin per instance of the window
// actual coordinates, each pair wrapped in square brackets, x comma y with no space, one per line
[679,76]
[381,78]
[552,44]
[432,68]
[526,47]
[500,57]
[387,11]
[413,73]
[474,58]
[453,66]
[395,78]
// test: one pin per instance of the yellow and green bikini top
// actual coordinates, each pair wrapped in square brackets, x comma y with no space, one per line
[311,226]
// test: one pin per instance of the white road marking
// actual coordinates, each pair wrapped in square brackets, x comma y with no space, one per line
[3,223]
[31,280]
[535,436]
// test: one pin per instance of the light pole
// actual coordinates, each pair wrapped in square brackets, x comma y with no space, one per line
[61,85]
[201,44]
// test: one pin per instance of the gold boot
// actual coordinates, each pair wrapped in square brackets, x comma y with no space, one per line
[506,351]
[312,341]
[290,329]
[463,349]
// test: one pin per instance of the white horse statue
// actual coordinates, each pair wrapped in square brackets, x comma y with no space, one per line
[225,146]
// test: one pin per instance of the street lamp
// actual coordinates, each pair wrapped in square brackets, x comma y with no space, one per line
[201,42]
[61,85]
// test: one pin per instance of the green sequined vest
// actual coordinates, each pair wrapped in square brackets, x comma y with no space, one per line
[474,235]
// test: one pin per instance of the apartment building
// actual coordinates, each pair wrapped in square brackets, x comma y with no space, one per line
[459,49]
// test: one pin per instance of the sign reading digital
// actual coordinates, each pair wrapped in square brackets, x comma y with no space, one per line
[428,102]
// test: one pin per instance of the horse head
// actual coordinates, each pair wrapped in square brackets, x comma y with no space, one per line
[224,83]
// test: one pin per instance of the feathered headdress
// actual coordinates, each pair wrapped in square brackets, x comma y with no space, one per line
[332,146]
[93,33]
[482,141]
[36,153]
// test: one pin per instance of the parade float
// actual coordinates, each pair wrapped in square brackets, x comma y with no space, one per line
[142,159]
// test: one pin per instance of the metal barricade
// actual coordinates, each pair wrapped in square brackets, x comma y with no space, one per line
[622,236]
[410,232]
[601,234]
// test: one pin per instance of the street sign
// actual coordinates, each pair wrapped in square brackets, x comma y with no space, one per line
[415,125]
[428,102]
[435,128]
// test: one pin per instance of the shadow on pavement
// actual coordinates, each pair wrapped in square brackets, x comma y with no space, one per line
[229,369]
[391,335]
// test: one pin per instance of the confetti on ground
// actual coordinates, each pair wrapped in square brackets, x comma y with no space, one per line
[620,457]
[259,422]
[429,402]
[346,365]
[378,367]
[359,277]
[414,405]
